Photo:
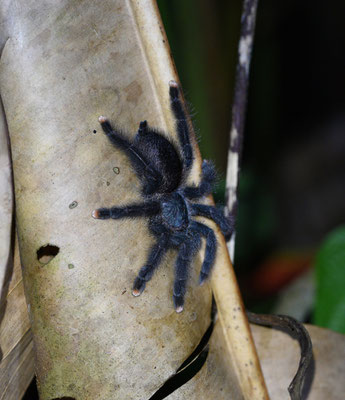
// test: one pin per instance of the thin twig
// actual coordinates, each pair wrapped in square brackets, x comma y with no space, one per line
[239,110]
[234,160]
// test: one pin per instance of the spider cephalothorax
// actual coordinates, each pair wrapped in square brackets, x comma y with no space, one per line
[169,202]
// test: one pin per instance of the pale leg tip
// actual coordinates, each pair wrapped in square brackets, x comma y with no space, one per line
[95,214]
[136,292]
[173,84]
[179,309]
[102,119]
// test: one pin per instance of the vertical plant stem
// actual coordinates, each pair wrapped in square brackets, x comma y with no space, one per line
[239,110]
[234,162]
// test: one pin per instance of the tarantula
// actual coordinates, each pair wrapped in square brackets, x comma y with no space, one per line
[168,201]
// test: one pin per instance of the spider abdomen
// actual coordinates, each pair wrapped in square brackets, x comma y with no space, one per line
[175,212]
[164,157]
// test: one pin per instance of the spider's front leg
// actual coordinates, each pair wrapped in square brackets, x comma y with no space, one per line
[146,209]
[184,259]
[210,250]
[154,259]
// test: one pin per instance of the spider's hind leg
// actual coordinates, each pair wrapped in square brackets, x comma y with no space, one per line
[142,164]
[226,224]
[115,137]
[181,124]
[206,185]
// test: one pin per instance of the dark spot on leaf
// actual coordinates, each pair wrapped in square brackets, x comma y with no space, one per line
[73,204]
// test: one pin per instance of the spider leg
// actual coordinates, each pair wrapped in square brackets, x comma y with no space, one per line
[210,251]
[154,259]
[181,124]
[115,137]
[205,186]
[143,166]
[226,224]
[147,209]
[142,128]
[184,259]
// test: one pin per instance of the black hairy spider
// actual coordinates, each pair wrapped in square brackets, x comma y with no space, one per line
[168,201]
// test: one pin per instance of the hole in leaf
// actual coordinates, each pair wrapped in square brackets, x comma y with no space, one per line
[64,398]
[46,253]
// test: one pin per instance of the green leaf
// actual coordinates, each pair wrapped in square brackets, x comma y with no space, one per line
[330,282]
